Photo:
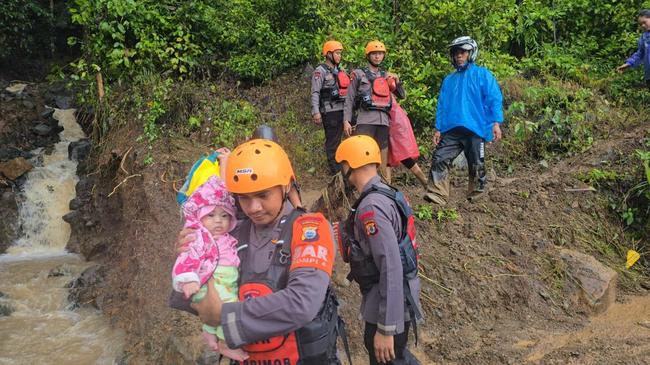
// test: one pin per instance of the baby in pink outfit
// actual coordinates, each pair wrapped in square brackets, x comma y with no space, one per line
[210,211]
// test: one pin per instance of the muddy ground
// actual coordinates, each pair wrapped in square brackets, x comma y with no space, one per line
[494,288]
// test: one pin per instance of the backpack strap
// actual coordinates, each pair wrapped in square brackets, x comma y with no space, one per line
[341,331]
[370,76]
[389,192]
[414,311]
[286,236]
[244,234]
[325,66]
[282,252]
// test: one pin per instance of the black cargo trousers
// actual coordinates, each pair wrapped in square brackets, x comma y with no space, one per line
[333,125]
[452,143]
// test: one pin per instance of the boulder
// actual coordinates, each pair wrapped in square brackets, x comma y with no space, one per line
[63,102]
[43,129]
[86,289]
[15,168]
[9,227]
[47,113]
[6,309]
[61,270]
[76,203]
[84,187]
[596,282]
[9,153]
[72,217]
[16,89]
[28,104]
[79,150]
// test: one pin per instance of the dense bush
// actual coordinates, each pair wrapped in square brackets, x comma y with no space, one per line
[24,27]
[254,39]
[258,39]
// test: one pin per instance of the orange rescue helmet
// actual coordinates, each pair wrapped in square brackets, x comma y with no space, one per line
[257,165]
[358,151]
[375,46]
[331,46]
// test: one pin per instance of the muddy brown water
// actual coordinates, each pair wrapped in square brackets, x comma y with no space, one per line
[622,322]
[42,329]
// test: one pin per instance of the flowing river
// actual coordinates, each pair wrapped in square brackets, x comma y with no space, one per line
[42,328]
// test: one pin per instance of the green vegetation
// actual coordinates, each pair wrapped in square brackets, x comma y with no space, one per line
[24,26]
[578,41]
[598,177]
[424,212]
[447,214]
[231,119]
[635,207]
[554,60]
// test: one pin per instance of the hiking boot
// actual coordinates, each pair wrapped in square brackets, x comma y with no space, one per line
[435,198]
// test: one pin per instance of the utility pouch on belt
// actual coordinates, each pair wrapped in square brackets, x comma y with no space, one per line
[317,340]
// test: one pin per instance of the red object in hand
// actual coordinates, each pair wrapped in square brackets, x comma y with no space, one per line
[401,139]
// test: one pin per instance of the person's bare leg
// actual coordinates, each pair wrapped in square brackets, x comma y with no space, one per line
[383,167]
[211,340]
[388,174]
[419,174]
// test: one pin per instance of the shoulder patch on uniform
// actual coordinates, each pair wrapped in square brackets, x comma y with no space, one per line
[312,244]
[316,75]
[370,227]
[309,227]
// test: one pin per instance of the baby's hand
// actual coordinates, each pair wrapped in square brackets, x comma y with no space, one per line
[224,152]
[185,236]
[190,288]
[391,75]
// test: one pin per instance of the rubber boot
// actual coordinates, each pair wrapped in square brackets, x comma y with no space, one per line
[438,191]
[477,183]
[434,196]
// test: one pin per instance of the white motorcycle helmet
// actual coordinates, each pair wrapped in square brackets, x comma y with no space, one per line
[466,43]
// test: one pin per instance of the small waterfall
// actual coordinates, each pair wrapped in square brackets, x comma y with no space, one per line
[41,330]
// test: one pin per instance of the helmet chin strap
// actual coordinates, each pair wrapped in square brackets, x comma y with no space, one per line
[285,199]
[330,57]
[346,181]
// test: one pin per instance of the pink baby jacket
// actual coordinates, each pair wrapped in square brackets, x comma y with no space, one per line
[206,252]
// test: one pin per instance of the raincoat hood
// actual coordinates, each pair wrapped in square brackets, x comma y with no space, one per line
[206,198]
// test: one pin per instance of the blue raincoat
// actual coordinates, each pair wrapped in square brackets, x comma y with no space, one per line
[641,56]
[470,98]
